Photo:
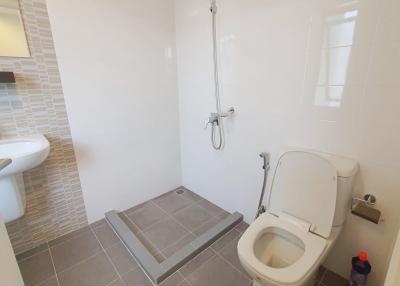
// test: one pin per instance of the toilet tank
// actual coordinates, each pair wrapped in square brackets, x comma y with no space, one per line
[347,169]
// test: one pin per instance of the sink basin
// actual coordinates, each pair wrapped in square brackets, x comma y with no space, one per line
[17,156]
[25,153]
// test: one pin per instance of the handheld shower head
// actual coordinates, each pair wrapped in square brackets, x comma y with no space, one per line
[266,158]
[213,7]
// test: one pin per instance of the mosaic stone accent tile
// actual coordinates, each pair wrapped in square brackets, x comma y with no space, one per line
[35,104]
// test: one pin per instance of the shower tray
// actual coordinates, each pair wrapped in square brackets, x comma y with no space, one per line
[158,269]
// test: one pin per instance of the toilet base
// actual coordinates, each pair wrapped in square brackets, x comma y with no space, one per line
[309,282]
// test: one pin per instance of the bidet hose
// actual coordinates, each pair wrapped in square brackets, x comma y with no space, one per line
[261,208]
[217,141]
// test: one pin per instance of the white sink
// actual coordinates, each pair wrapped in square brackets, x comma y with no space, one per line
[25,153]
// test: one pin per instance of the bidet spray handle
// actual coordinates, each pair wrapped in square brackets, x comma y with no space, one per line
[266,158]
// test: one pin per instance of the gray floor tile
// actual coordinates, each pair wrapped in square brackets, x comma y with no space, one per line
[170,250]
[121,258]
[224,240]
[217,272]
[37,268]
[98,223]
[32,252]
[165,233]
[81,257]
[211,208]
[242,227]
[173,280]
[163,196]
[49,282]
[106,235]
[206,226]
[320,274]
[197,262]
[117,283]
[136,277]
[192,216]
[173,203]
[73,251]
[188,194]
[137,207]
[151,247]
[95,271]
[146,216]
[230,254]
[69,236]
[129,223]
[333,279]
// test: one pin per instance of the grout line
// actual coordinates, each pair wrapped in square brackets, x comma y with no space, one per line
[69,239]
[192,202]
[166,194]
[54,267]
[93,229]
[322,278]
[118,279]
[233,266]
[133,256]
[143,234]
[216,216]
[150,225]
[184,280]
[173,218]
[212,217]
[80,262]
[108,257]
[203,264]
[30,256]
[69,233]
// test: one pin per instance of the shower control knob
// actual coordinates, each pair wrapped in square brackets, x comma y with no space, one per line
[206,124]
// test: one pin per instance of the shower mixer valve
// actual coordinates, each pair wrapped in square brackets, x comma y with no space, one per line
[215,117]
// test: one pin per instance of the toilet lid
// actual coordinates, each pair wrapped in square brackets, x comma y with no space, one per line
[305,186]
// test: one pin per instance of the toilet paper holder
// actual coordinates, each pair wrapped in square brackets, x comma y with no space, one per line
[365,208]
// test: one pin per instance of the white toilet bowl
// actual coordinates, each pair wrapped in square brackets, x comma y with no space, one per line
[286,245]
[275,251]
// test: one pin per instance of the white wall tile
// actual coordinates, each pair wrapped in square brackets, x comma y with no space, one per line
[118,68]
[315,74]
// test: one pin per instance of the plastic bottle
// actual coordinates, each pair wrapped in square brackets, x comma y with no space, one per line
[361,269]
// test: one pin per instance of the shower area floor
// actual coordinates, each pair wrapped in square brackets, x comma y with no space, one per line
[95,255]
[169,222]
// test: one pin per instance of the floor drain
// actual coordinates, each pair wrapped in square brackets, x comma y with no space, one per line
[180,192]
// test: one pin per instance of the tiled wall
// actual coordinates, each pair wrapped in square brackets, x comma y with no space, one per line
[35,104]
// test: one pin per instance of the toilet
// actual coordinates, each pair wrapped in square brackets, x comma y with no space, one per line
[310,197]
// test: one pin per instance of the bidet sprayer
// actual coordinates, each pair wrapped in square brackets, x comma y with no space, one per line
[261,208]
[266,158]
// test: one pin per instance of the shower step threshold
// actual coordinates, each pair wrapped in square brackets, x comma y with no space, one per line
[158,272]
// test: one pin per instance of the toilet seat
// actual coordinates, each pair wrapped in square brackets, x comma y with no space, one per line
[314,247]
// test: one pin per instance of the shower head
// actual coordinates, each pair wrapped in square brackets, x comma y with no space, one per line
[213,7]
